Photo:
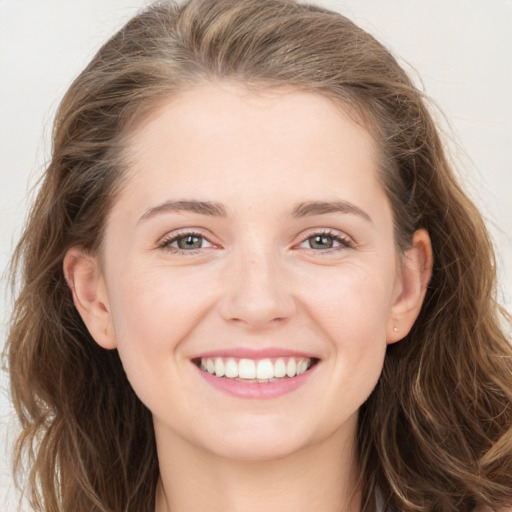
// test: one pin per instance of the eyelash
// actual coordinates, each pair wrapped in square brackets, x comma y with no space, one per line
[344,241]
[167,241]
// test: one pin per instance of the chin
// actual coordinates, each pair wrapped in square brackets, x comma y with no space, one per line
[256,451]
[259,441]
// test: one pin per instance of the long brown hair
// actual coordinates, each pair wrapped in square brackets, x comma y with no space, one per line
[436,433]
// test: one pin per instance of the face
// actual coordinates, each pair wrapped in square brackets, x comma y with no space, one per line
[252,236]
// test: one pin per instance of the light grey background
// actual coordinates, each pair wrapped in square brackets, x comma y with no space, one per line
[461,49]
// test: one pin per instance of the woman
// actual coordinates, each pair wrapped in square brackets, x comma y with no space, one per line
[252,281]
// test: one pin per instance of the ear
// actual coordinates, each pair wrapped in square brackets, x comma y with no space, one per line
[416,271]
[84,278]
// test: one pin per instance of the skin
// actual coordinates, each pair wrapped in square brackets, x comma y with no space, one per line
[256,281]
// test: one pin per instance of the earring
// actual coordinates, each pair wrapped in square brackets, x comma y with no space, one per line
[395,329]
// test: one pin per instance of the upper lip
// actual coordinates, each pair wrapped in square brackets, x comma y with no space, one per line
[252,353]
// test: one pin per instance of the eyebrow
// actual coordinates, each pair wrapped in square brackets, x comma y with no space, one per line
[201,207]
[311,208]
[306,209]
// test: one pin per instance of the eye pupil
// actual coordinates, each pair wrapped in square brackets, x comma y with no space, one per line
[190,242]
[321,242]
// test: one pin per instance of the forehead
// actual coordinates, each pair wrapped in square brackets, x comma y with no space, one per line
[225,139]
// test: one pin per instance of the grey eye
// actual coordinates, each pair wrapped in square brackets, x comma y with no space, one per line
[326,241]
[321,242]
[189,242]
[185,242]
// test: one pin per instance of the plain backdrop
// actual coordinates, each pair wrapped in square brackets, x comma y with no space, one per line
[458,51]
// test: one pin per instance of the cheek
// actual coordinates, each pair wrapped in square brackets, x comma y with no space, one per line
[153,312]
[154,309]
[351,301]
[352,312]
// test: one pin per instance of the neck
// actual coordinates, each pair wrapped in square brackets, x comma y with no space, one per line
[319,477]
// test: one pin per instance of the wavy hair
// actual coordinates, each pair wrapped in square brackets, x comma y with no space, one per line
[435,434]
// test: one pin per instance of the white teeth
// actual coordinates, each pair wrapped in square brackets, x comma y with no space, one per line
[220,369]
[261,371]
[231,369]
[302,367]
[280,368]
[247,369]
[265,369]
[291,367]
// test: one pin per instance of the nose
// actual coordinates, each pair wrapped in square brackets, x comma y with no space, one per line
[257,293]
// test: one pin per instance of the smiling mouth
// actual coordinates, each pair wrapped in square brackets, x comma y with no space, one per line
[256,371]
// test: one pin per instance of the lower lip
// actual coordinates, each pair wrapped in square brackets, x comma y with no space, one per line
[256,390]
